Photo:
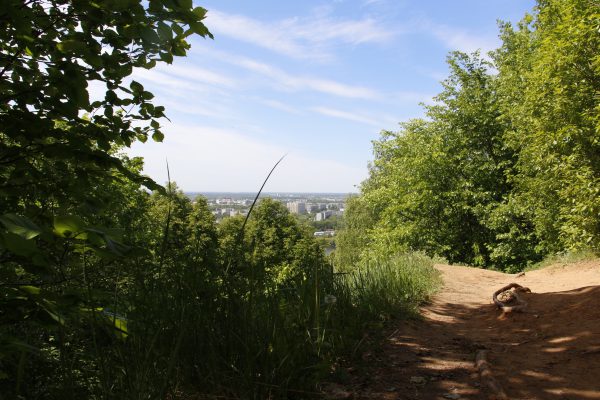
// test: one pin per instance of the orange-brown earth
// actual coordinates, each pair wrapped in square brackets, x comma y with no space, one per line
[550,351]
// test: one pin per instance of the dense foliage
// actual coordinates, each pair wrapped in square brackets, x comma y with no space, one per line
[505,167]
[111,291]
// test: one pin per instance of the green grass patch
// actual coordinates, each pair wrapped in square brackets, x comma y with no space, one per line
[383,286]
[567,257]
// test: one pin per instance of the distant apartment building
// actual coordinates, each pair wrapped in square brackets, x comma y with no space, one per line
[296,207]
[335,206]
[323,215]
[312,208]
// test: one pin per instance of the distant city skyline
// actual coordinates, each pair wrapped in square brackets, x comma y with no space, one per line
[316,80]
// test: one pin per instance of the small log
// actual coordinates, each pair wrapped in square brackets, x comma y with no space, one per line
[487,378]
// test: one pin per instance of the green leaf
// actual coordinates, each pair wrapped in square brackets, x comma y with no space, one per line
[149,35]
[164,31]
[18,245]
[136,87]
[31,290]
[166,57]
[20,226]
[69,226]
[200,29]
[51,311]
[186,3]
[115,247]
[71,46]
[177,29]
[200,12]
[158,136]
[9,344]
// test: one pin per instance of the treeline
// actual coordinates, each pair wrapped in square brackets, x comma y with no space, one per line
[113,287]
[504,169]
[145,296]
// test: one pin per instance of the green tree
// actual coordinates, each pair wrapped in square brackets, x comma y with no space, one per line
[276,248]
[505,167]
[434,184]
[64,189]
[55,139]
[549,73]
[353,238]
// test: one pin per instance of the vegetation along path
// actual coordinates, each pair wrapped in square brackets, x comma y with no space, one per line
[549,351]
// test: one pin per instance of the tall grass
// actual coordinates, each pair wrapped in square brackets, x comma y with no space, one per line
[276,344]
[384,286]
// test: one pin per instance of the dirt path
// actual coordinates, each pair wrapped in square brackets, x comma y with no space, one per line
[552,351]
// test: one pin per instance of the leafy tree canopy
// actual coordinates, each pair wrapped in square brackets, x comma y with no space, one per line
[505,168]
[57,138]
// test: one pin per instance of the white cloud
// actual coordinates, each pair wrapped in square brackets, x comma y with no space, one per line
[197,107]
[255,32]
[203,158]
[464,41]
[201,96]
[285,81]
[202,75]
[202,80]
[461,39]
[314,37]
[180,77]
[328,30]
[301,38]
[335,88]
[351,116]
[280,106]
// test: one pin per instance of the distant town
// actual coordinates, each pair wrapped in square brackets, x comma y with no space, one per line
[322,210]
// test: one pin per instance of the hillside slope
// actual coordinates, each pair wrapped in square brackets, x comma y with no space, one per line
[550,351]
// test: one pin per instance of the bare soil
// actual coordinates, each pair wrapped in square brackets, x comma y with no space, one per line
[550,351]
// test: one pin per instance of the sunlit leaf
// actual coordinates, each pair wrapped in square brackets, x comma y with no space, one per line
[69,226]
[21,226]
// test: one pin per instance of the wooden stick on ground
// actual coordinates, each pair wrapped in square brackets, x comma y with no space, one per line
[487,378]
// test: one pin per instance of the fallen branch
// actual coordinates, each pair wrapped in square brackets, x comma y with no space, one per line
[487,378]
[513,295]
[593,350]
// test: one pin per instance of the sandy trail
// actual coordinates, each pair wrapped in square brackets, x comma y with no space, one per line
[552,351]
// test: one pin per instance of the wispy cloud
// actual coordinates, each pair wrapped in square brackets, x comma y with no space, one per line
[179,76]
[336,88]
[300,38]
[351,116]
[460,39]
[464,41]
[196,73]
[252,31]
[282,80]
[325,29]
[280,106]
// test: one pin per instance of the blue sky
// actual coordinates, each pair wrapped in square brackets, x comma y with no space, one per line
[317,80]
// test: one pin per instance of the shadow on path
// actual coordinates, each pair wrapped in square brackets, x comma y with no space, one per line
[551,351]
